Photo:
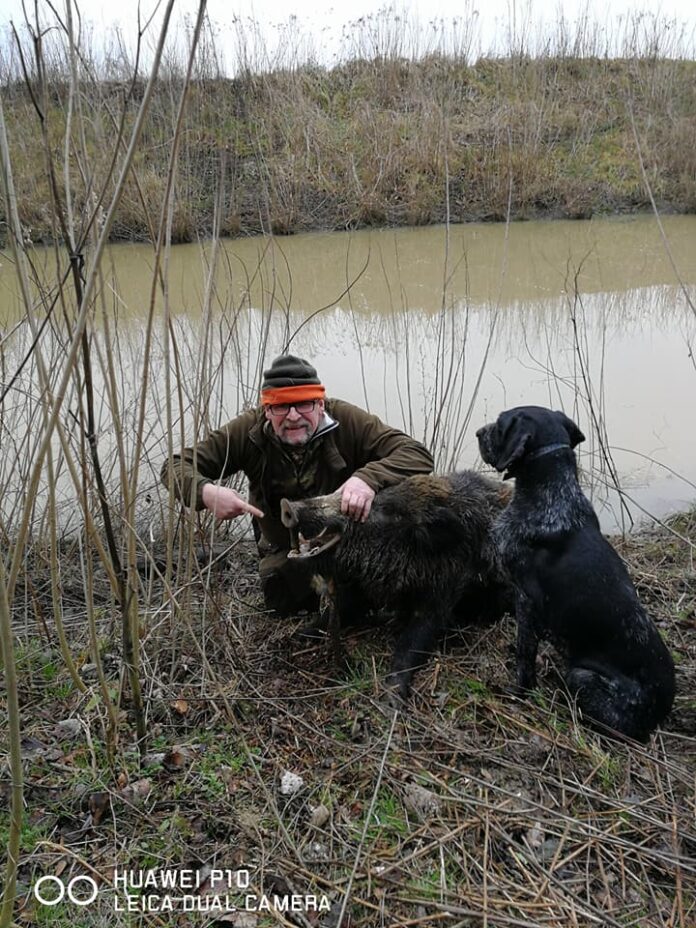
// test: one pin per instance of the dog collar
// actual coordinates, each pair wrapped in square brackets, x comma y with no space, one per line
[547,449]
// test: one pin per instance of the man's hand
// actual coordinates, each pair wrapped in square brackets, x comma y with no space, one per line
[225,503]
[356,499]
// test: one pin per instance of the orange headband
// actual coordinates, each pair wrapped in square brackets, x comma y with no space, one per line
[296,394]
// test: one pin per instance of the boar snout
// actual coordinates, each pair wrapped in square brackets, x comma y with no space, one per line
[288,516]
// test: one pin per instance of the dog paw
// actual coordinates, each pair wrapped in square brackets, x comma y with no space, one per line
[511,690]
[524,684]
[397,690]
[341,662]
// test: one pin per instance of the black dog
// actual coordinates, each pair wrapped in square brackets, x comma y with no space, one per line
[571,586]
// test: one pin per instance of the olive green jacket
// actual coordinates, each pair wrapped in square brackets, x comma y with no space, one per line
[356,444]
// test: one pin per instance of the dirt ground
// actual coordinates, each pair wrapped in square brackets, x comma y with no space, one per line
[268,764]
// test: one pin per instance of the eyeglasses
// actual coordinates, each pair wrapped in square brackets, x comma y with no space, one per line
[282,409]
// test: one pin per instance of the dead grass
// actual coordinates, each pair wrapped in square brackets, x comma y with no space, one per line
[377,142]
[469,808]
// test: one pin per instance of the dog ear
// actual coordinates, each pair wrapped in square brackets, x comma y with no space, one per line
[574,433]
[513,443]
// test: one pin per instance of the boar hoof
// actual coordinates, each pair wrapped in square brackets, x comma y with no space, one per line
[313,631]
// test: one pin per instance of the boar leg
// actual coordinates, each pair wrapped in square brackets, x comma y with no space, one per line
[328,621]
[483,603]
[352,603]
[424,625]
[330,614]
[348,606]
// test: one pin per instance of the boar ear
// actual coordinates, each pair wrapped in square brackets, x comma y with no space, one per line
[512,444]
[574,433]
[288,513]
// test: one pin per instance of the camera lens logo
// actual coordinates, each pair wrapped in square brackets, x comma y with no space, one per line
[54,896]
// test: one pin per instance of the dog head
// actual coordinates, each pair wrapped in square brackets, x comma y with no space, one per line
[524,432]
[316,525]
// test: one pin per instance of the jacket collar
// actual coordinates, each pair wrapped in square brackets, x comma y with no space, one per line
[327,424]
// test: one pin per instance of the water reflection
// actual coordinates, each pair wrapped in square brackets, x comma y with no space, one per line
[435,332]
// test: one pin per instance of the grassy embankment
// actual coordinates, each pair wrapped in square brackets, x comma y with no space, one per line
[382,142]
[470,808]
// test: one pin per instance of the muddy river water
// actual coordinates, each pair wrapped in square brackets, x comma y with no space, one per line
[437,330]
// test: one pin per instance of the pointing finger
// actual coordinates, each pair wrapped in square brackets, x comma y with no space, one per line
[247,507]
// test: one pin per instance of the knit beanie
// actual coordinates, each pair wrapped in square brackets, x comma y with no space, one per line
[289,379]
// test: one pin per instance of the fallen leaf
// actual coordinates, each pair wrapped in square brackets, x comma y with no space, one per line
[237,919]
[27,912]
[535,836]
[320,816]
[136,793]
[68,730]
[98,805]
[32,747]
[176,759]
[230,778]
[421,801]
[154,759]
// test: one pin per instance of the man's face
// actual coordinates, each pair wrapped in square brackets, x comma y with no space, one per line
[293,427]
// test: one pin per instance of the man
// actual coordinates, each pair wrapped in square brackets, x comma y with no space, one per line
[296,444]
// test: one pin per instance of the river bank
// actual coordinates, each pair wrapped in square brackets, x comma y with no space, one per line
[370,143]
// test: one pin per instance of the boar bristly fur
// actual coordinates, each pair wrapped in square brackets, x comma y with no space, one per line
[425,552]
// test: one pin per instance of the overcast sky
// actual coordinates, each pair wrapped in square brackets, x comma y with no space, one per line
[324,22]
